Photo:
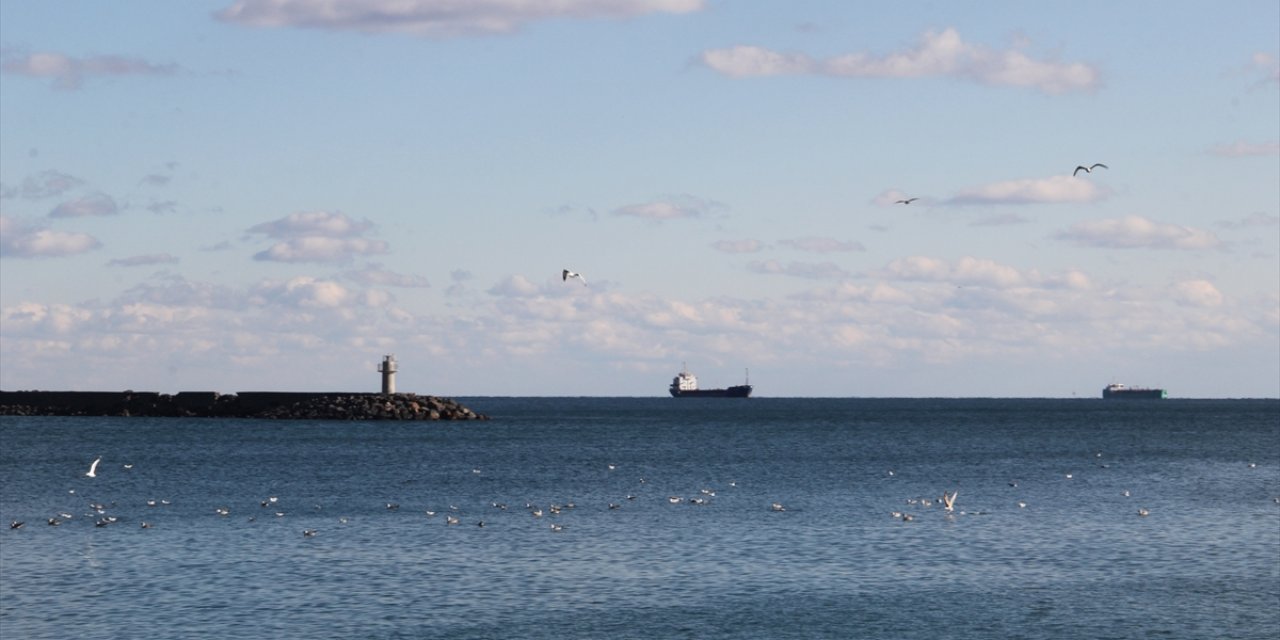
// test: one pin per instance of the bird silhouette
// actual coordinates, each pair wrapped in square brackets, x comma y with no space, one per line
[907,201]
[1089,169]
[566,274]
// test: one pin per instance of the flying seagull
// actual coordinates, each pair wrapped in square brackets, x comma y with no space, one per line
[907,201]
[566,274]
[93,468]
[950,499]
[1089,169]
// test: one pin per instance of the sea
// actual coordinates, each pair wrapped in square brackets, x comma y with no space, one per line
[618,518]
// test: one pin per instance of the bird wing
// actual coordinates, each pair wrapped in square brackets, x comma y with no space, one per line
[93,468]
[1078,168]
[1099,164]
[564,275]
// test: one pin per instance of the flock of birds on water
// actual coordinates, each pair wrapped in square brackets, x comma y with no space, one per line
[566,274]
[453,515]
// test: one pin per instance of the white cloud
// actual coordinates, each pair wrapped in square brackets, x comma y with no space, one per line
[907,318]
[1197,293]
[317,236]
[22,241]
[938,54]
[69,73]
[436,18]
[97,204]
[303,292]
[514,287]
[321,249]
[1051,190]
[965,272]
[745,61]
[1135,232]
[313,223]
[1241,148]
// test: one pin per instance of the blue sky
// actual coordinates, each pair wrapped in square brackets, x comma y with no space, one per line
[273,195]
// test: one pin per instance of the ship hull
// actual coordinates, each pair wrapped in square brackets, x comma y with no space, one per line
[1133,394]
[740,391]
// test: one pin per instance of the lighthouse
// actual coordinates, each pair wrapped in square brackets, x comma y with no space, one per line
[388,369]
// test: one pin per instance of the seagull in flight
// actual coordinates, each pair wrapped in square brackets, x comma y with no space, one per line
[907,201]
[949,499]
[566,274]
[93,468]
[1089,169]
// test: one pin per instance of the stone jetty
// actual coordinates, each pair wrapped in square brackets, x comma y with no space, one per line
[244,404]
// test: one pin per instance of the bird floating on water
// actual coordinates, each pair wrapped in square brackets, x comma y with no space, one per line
[777,506]
[565,274]
[1089,169]
[93,468]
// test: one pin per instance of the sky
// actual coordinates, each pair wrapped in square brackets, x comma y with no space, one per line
[274,194]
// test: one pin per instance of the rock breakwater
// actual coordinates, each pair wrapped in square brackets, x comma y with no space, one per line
[246,404]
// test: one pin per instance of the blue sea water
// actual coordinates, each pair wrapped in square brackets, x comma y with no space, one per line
[1077,561]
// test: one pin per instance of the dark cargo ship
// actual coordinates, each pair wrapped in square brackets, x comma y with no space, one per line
[1116,390]
[685,385]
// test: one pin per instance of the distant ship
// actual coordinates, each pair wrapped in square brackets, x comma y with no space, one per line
[685,385]
[1117,390]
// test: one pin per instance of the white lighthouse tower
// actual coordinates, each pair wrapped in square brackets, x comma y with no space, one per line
[388,369]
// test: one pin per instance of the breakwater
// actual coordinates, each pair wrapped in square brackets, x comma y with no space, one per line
[275,405]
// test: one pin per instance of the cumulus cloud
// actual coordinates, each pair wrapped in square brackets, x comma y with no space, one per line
[143,261]
[669,208]
[1197,293]
[313,223]
[738,246]
[303,292]
[514,287]
[70,73]
[1054,189]
[436,18]
[24,241]
[321,249]
[937,54]
[797,269]
[822,245]
[966,271]
[317,236]
[1137,232]
[1241,148]
[97,204]
[43,185]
